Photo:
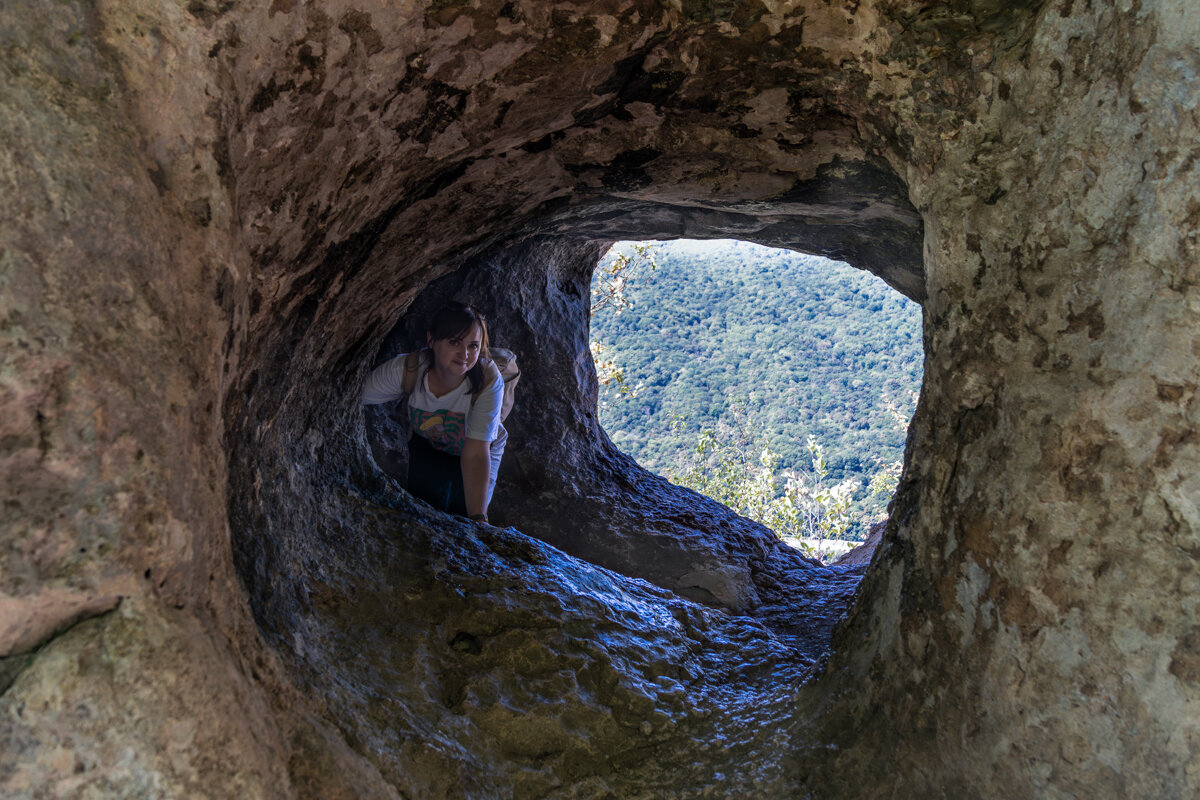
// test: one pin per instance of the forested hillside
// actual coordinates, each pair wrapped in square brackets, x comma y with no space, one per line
[764,345]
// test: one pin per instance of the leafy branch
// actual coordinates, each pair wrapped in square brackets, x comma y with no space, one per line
[610,284]
[804,508]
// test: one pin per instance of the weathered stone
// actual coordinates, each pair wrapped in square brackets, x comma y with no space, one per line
[140,700]
[214,214]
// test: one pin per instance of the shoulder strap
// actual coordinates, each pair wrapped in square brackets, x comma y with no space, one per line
[490,373]
[412,364]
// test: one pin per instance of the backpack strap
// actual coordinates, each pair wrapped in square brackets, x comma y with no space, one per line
[412,365]
[506,361]
[491,373]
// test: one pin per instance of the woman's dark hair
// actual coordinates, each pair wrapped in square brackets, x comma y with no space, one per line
[457,319]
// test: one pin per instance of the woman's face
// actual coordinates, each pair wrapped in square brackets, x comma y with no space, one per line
[457,354]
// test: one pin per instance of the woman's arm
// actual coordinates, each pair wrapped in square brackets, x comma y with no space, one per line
[483,421]
[477,473]
[385,383]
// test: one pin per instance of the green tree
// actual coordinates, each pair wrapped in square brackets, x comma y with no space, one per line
[814,348]
[610,283]
[734,467]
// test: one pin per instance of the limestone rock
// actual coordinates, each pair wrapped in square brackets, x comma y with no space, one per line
[143,701]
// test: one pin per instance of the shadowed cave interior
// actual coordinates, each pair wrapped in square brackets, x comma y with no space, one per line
[713,636]
[656,620]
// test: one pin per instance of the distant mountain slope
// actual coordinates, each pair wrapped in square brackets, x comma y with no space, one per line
[808,345]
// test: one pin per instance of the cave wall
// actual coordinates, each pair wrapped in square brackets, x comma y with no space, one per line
[1035,607]
[214,214]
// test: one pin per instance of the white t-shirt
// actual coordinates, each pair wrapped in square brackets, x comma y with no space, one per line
[444,421]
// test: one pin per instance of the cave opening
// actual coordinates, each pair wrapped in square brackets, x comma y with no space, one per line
[604,586]
[567,484]
[778,383]
[611,578]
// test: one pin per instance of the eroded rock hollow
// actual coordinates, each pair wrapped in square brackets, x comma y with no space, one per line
[217,213]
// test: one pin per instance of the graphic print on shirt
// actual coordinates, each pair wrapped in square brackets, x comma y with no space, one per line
[444,429]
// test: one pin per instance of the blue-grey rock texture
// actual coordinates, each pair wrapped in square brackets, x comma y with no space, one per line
[218,215]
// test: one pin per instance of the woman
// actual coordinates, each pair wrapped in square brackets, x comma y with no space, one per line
[454,395]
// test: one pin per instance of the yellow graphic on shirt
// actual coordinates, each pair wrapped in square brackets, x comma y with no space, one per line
[444,429]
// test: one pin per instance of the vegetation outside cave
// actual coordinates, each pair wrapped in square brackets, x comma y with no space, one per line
[778,383]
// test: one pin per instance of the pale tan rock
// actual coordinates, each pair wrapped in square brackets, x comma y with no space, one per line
[29,621]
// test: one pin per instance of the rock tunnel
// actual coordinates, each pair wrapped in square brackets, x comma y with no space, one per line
[216,213]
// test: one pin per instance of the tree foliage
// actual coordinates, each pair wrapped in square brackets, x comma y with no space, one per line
[756,356]
[613,276]
[804,508]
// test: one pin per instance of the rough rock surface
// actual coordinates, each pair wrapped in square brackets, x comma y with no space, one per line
[216,212]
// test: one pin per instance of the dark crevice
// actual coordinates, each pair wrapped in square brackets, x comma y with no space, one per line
[11,668]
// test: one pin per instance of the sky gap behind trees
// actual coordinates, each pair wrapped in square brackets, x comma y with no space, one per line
[763,348]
